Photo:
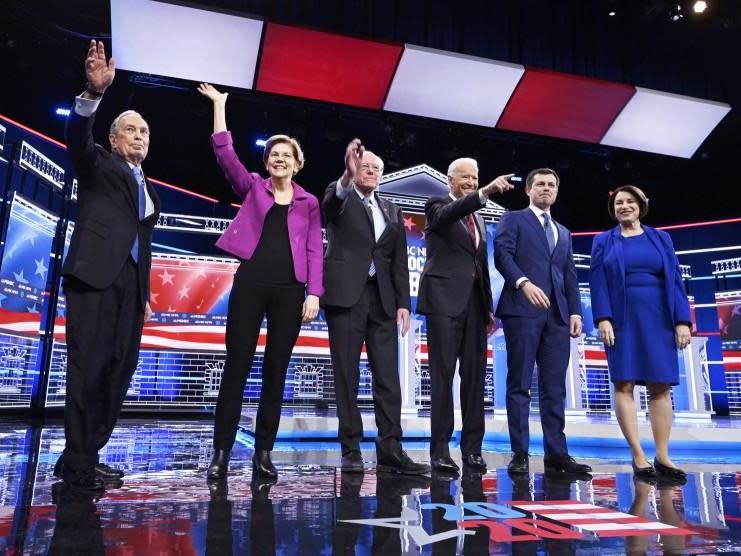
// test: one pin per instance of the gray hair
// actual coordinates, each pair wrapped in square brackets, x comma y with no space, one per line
[380,160]
[114,123]
[458,161]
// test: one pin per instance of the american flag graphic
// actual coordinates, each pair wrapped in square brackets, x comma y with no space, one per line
[603,522]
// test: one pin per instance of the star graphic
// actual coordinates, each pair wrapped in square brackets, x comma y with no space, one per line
[153,298]
[20,278]
[183,293]
[409,223]
[167,278]
[40,268]
[201,274]
[2,298]
[32,308]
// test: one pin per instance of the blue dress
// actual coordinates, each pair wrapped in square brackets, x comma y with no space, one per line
[645,349]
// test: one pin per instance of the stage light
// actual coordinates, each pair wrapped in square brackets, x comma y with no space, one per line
[699,6]
[62,111]
[612,14]
[677,13]
[260,142]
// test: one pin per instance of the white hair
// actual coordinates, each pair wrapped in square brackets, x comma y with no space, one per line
[380,160]
[114,123]
[458,161]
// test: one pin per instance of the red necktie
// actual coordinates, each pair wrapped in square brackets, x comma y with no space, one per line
[472,229]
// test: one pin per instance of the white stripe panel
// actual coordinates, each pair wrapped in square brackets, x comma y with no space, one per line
[596,515]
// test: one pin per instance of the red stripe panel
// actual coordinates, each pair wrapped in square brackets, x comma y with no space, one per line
[563,105]
[323,66]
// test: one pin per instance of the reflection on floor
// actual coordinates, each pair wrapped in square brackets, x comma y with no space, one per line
[165,505]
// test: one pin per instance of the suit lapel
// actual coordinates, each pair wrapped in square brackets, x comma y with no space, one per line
[353,198]
[130,182]
[617,245]
[537,226]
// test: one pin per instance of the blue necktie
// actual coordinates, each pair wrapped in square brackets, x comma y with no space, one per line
[139,177]
[549,232]
[366,203]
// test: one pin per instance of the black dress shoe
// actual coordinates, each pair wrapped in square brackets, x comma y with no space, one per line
[108,473]
[401,464]
[647,472]
[444,464]
[674,473]
[219,466]
[519,464]
[564,463]
[352,462]
[474,461]
[262,466]
[85,480]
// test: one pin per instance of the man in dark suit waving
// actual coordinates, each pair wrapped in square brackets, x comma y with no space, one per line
[539,308]
[455,294]
[106,275]
[366,283]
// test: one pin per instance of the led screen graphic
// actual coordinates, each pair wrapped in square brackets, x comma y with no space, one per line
[23,275]
[729,324]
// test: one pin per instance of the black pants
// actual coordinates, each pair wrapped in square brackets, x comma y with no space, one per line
[249,302]
[104,329]
[462,339]
[348,329]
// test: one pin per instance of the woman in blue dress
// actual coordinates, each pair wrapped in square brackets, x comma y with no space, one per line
[640,307]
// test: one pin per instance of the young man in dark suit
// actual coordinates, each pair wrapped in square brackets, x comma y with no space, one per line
[106,275]
[455,294]
[366,282]
[539,307]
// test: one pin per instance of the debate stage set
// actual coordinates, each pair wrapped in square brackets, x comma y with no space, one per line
[300,70]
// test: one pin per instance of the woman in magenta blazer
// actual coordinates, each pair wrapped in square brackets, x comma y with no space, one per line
[277,235]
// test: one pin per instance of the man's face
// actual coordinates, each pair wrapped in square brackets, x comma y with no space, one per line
[465,180]
[131,139]
[369,173]
[543,191]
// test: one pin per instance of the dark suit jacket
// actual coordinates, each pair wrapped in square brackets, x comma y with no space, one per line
[607,277]
[452,260]
[108,213]
[351,245]
[521,249]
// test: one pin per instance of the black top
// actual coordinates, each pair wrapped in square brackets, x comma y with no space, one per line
[272,262]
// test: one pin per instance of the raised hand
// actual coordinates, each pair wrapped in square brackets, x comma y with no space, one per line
[353,159]
[500,184]
[99,72]
[212,93]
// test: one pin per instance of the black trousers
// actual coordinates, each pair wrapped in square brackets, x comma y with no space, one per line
[348,328]
[104,329]
[463,339]
[249,302]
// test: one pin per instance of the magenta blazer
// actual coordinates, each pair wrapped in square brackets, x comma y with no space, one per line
[304,220]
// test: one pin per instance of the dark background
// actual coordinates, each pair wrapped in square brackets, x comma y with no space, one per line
[43,44]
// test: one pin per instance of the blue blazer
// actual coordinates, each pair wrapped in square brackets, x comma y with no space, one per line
[607,277]
[521,249]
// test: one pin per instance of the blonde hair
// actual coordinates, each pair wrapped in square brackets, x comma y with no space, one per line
[298,154]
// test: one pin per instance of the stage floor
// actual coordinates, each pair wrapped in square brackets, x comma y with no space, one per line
[165,505]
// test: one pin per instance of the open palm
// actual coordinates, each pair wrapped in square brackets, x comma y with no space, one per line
[99,72]
[211,92]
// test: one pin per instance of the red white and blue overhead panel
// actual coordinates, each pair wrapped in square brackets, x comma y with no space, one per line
[665,123]
[323,66]
[449,86]
[564,105]
[186,43]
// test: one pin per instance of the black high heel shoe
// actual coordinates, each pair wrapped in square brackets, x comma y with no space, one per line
[673,473]
[261,465]
[219,465]
[648,472]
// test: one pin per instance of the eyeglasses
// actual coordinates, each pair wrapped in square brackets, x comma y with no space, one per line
[375,168]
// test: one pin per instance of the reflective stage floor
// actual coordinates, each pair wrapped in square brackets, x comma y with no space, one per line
[165,505]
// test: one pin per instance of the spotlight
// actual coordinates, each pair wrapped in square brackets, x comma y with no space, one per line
[677,13]
[260,142]
[612,14]
[62,111]
[699,6]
